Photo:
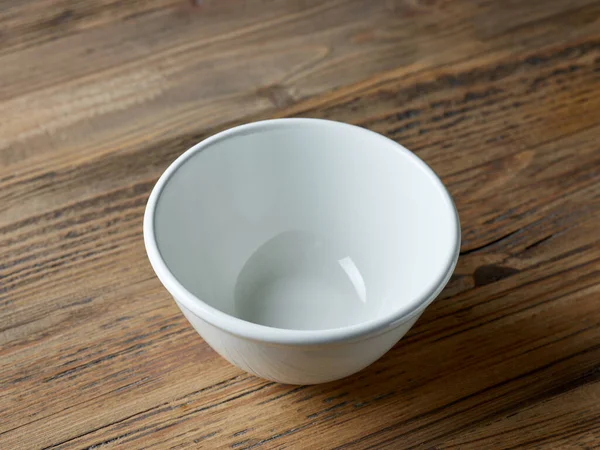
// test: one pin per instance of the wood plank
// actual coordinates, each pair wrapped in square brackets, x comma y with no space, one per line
[185,76]
[443,113]
[95,353]
[26,24]
[575,427]
[416,391]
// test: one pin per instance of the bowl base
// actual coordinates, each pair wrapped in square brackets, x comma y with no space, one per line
[298,280]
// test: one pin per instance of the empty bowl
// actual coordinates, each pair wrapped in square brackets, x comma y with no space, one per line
[301,250]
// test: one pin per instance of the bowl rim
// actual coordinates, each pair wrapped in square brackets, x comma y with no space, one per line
[263,333]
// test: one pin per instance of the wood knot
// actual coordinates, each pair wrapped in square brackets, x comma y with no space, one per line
[279,96]
[490,273]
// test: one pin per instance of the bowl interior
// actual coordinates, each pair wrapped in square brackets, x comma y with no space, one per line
[305,225]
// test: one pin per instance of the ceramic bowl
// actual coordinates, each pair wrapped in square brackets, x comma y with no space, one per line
[301,250]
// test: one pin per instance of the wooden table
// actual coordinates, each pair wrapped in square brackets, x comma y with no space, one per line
[501,98]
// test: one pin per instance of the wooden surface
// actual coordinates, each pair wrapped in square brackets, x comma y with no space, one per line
[501,98]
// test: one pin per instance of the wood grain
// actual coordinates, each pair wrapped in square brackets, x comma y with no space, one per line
[502,99]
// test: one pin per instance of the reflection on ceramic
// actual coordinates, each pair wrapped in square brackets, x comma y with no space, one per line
[297,281]
[301,250]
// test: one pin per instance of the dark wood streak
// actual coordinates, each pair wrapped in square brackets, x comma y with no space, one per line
[152,411]
[285,394]
[591,376]
[326,410]
[277,436]
[501,100]
[508,415]
[491,273]
[573,432]
[491,243]
[570,385]
[532,306]
[186,416]
[539,242]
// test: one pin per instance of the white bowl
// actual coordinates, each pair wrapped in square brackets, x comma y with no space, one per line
[301,250]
